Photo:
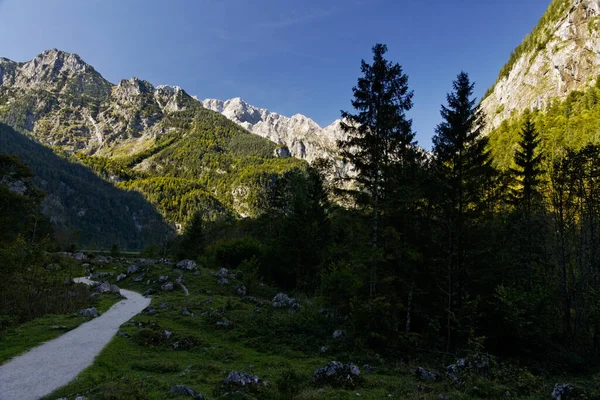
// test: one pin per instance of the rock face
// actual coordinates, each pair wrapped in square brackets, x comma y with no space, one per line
[302,136]
[299,136]
[561,55]
[64,102]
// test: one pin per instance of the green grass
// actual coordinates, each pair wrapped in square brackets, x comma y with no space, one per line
[280,347]
[17,340]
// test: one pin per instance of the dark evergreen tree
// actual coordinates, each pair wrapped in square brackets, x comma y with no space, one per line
[528,228]
[463,171]
[528,169]
[192,240]
[379,135]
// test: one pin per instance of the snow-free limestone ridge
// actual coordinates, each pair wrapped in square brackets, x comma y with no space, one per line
[303,137]
[52,365]
[561,55]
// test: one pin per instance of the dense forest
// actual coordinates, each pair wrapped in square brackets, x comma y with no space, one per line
[468,248]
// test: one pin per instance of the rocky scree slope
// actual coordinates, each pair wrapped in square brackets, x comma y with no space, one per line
[562,54]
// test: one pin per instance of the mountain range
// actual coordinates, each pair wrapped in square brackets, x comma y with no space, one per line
[184,155]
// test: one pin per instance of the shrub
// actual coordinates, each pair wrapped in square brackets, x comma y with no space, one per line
[230,253]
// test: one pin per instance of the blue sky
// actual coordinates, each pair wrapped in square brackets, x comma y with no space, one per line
[290,56]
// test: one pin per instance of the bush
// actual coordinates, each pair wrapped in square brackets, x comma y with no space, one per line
[230,253]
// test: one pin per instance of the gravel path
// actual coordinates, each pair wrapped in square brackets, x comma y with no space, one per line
[52,365]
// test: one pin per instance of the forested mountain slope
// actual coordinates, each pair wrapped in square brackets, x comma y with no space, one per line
[156,140]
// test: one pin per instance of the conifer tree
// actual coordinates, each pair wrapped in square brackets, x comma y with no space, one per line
[463,170]
[379,136]
[528,168]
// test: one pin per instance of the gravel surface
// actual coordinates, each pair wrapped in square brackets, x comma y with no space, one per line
[52,365]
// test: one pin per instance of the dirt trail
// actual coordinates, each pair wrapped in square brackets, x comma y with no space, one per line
[52,365]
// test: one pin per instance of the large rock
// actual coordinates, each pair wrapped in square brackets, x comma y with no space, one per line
[188,265]
[426,375]
[79,256]
[282,300]
[236,378]
[478,364]
[563,391]
[338,374]
[120,277]
[89,312]
[132,269]
[106,287]
[180,390]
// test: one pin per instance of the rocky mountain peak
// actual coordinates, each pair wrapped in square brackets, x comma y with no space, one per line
[301,135]
[561,55]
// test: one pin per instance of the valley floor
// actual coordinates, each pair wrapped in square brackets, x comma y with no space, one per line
[196,341]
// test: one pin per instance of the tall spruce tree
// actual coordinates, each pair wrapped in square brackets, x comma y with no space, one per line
[380,135]
[528,228]
[463,170]
[528,169]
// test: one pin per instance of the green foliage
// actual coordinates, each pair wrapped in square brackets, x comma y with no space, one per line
[80,201]
[570,124]
[231,253]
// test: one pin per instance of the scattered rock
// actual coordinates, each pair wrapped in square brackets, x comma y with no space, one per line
[148,292]
[53,267]
[479,364]
[102,275]
[426,375]
[180,390]
[106,287]
[167,287]
[188,265]
[563,391]
[187,312]
[339,334]
[282,300]
[222,281]
[338,374]
[149,310]
[241,291]
[163,279]
[89,312]
[324,349]
[224,324]
[102,259]
[367,368]
[167,334]
[197,273]
[123,334]
[79,256]
[236,378]
[132,269]
[120,277]
[139,278]
[223,273]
